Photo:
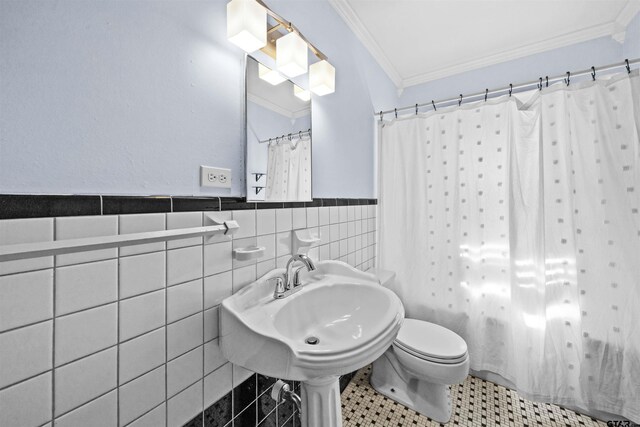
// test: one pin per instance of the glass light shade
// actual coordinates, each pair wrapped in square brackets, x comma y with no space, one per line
[269,75]
[322,78]
[247,24]
[303,94]
[291,55]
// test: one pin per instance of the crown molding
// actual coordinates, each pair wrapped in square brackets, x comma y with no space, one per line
[278,109]
[615,29]
[527,50]
[350,17]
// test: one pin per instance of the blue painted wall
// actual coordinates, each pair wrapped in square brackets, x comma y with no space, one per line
[132,97]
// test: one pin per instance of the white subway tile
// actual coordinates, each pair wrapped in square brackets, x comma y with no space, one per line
[27,403]
[324,216]
[86,285]
[269,243]
[324,233]
[141,314]
[281,262]
[312,217]
[265,221]
[211,324]
[246,219]
[25,352]
[284,220]
[325,252]
[31,230]
[344,230]
[240,375]
[185,406]
[283,244]
[183,371]
[141,395]
[358,212]
[334,232]
[351,212]
[343,213]
[334,214]
[243,276]
[344,249]
[299,218]
[77,227]
[351,244]
[351,229]
[335,250]
[25,298]
[142,273]
[102,412]
[217,258]
[84,380]
[86,332]
[176,220]
[184,300]
[217,384]
[154,418]
[184,264]
[213,357]
[141,223]
[217,288]
[141,355]
[184,335]
[264,267]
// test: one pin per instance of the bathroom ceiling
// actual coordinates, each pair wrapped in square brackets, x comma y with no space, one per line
[416,41]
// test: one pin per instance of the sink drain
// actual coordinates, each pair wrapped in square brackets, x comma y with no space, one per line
[312,340]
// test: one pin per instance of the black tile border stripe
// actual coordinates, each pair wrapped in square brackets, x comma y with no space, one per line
[16,206]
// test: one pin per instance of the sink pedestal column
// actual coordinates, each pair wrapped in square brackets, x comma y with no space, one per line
[321,403]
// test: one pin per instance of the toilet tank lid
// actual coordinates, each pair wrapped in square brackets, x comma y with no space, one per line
[385,277]
[430,339]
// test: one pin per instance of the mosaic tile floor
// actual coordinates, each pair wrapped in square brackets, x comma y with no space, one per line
[478,403]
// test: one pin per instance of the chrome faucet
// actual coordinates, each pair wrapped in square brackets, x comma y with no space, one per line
[289,284]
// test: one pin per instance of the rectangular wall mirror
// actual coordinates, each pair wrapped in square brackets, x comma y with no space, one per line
[278,137]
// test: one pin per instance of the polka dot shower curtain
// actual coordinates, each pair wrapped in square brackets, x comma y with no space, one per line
[289,170]
[517,226]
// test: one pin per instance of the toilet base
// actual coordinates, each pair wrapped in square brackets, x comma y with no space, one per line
[428,399]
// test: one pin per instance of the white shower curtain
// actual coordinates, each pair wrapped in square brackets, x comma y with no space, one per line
[517,226]
[289,170]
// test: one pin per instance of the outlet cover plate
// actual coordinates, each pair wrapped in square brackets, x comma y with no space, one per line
[215,177]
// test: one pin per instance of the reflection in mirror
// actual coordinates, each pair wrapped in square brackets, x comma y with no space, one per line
[278,137]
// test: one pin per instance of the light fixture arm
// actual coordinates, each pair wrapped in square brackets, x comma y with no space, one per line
[292,29]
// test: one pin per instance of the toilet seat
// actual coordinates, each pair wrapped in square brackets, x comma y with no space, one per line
[431,342]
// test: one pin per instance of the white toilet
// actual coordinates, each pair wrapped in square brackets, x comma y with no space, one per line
[421,364]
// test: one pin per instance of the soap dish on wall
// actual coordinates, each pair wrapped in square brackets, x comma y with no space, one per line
[303,240]
[249,252]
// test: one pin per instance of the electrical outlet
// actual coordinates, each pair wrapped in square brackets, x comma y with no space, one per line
[215,177]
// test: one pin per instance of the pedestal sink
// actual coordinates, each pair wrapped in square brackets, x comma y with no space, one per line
[340,321]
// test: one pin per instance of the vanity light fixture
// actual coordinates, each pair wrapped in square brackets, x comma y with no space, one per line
[247,24]
[291,55]
[322,78]
[270,76]
[303,94]
[247,28]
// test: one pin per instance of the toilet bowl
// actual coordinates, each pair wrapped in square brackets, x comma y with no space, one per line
[421,364]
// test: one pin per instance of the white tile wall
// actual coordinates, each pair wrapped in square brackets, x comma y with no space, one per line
[135,331]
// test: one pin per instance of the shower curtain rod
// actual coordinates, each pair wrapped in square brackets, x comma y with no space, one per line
[540,83]
[289,136]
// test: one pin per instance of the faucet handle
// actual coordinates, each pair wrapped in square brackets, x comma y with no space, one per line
[279,288]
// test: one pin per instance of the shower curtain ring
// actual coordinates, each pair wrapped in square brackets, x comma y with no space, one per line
[434,105]
[300,134]
[460,101]
[416,109]
[396,111]
[540,84]
[593,73]
[486,93]
[510,89]
[380,115]
[568,79]
[289,137]
[547,84]
[628,67]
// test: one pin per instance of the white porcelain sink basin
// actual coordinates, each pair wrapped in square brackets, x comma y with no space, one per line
[352,317]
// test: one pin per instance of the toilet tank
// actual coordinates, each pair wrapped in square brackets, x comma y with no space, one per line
[385,277]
